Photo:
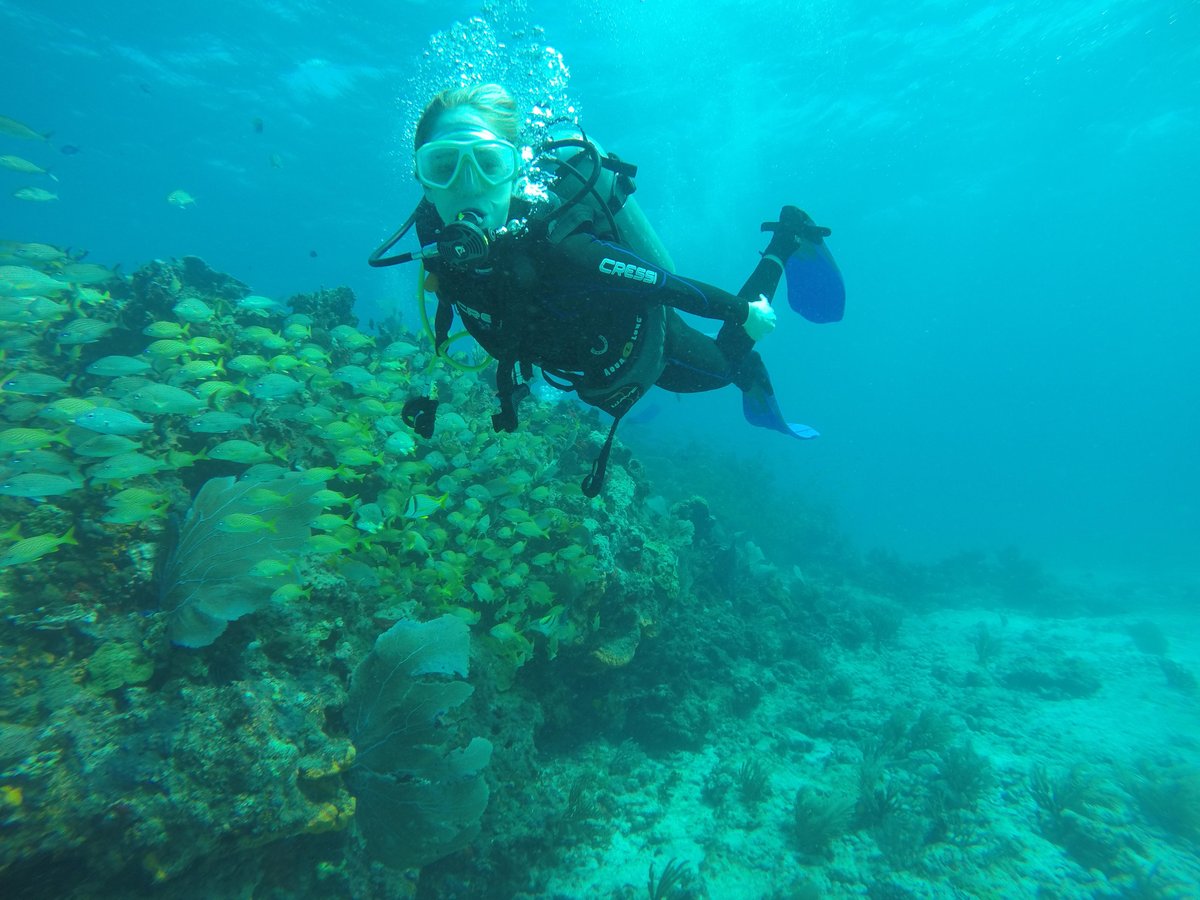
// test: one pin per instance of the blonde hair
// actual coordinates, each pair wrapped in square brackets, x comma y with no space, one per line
[493,103]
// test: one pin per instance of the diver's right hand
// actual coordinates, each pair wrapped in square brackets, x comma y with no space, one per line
[760,318]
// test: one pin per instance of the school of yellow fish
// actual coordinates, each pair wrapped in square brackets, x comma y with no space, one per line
[248,383]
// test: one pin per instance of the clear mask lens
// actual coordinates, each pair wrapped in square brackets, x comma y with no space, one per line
[438,163]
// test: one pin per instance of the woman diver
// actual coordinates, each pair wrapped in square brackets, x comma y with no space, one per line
[572,279]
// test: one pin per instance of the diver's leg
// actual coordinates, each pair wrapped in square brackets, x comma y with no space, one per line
[695,362]
[764,279]
[698,363]
[732,340]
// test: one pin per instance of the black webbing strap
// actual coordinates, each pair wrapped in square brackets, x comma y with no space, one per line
[510,393]
[594,482]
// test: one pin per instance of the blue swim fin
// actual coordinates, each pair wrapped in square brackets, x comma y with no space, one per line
[760,408]
[814,284]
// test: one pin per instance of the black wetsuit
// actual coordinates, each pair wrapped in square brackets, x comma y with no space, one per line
[595,316]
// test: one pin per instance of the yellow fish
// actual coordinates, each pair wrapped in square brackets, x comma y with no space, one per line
[272,568]
[34,548]
[19,280]
[245,523]
[31,252]
[13,440]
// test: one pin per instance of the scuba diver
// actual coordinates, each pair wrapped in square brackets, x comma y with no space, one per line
[569,276]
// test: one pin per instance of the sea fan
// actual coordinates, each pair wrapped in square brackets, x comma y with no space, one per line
[209,577]
[418,800]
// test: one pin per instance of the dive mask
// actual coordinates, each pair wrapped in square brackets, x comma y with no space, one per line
[438,163]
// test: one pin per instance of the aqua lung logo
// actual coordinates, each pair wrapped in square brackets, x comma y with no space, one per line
[624,270]
[627,349]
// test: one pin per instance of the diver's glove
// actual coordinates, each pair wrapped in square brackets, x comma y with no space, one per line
[760,318]
[793,226]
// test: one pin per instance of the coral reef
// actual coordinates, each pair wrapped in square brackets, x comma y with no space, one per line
[676,688]
[191,382]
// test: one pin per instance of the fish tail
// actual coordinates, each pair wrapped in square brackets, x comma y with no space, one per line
[69,537]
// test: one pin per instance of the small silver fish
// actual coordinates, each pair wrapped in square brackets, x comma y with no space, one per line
[85,273]
[239,451]
[159,399]
[399,350]
[35,195]
[352,375]
[116,366]
[257,303]
[216,422]
[17,164]
[33,383]
[38,484]
[109,420]
[274,386]
[16,129]
[125,465]
[105,445]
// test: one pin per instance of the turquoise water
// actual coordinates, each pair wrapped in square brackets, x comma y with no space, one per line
[987,559]
[1011,190]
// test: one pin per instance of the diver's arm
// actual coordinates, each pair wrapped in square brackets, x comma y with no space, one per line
[617,270]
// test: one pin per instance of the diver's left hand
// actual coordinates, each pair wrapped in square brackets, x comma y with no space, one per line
[760,320]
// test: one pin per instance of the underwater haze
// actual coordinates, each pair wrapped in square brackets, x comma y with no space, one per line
[263,636]
[1011,189]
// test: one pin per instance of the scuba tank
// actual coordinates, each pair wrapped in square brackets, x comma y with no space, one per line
[587,180]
